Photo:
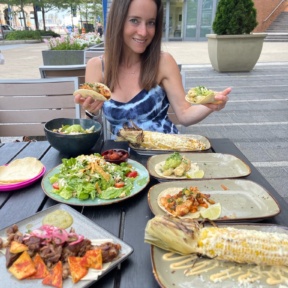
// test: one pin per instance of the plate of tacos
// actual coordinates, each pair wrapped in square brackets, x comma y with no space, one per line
[183,166]
[214,199]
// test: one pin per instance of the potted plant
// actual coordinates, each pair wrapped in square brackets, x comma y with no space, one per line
[233,47]
[68,49]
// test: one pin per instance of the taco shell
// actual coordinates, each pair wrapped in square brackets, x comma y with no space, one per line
[85,93]
[98,91]
[201,95]
[172,191]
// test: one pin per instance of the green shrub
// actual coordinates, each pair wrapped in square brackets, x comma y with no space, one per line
[23,35]
[234,17]
[49,33]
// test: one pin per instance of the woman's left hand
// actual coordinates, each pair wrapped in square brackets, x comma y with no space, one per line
[221,98]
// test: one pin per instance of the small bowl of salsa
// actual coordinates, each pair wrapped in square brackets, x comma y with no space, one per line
[116,156]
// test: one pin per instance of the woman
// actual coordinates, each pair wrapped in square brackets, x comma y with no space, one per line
[143,80]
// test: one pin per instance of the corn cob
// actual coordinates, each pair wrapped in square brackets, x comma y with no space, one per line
[185,236]
[244,246]
[155,140]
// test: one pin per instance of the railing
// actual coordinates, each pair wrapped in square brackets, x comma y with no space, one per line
[273,10]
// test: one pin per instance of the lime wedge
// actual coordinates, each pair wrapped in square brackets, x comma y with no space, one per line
[213,212]
[195,174]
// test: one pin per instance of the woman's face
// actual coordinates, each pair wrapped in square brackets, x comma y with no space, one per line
[139,27]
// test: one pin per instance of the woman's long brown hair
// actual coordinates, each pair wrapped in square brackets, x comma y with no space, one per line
[114,46]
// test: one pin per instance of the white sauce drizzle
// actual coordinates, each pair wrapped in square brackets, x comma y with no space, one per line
[192,265]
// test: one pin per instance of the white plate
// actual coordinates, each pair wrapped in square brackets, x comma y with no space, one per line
[243,199]
[83,226]
[214,165]
[175,278]
[142,151]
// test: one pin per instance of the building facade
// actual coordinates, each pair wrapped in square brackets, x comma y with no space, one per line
[191,20]
[184,20]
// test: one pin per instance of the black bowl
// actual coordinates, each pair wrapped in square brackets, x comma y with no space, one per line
[72,145]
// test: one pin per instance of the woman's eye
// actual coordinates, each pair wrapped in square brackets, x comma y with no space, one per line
[134,21]
[151,23]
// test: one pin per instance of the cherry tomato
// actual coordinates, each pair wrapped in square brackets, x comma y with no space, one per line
[119,184]
[56,185]
[132,174]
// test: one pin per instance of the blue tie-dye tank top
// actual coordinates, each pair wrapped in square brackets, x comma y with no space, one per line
[148,110]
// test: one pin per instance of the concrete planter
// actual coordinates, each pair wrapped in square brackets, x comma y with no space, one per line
[235,53]
[63,57]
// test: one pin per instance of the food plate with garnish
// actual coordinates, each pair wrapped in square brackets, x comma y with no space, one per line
[183,166]
[84,227]
[263,246]
[89,180]
[151,142]
[238,199]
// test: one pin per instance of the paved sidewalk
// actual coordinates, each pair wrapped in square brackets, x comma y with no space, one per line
[23,60]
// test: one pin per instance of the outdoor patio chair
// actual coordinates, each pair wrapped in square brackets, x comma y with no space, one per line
[47,71]
[26,105]
[73,70]
[92,52]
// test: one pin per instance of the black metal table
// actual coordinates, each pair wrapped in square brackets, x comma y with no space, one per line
[126,219]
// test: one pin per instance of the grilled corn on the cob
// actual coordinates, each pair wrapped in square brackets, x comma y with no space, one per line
[160,141]
[230,244]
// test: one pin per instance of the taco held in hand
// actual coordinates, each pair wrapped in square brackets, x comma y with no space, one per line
[98,91]
[201,95]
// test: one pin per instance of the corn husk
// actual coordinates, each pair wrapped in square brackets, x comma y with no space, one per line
[139,138]
[172,234]
[187,236]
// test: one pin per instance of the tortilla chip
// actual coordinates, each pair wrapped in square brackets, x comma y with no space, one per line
[20,170]
[76,269]
[17,247]
[41,268]
[55,277]
[92,259]
[23,267]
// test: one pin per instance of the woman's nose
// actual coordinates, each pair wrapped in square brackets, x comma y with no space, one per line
[142,29]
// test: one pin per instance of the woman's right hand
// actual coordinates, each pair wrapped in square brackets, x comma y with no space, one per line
[88,103]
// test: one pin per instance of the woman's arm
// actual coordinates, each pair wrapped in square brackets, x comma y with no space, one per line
[93,74]
[170,79]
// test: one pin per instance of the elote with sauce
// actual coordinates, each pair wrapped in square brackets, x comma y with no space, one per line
[186,236]
[160,141]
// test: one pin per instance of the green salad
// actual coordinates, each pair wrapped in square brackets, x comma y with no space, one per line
[74,129]
[90,177]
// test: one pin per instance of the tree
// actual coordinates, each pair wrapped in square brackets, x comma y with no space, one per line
[47,5]
[235,17]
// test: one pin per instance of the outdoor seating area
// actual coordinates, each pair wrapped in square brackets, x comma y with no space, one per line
[26,105]
[252,128]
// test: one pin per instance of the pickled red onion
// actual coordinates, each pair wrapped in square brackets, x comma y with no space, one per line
[50,233]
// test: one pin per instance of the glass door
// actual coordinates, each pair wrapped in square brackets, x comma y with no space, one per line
[191,19]
[176,20]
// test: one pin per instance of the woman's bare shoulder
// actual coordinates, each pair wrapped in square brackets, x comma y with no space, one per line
[167,65]
[94,70]
[95,61]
